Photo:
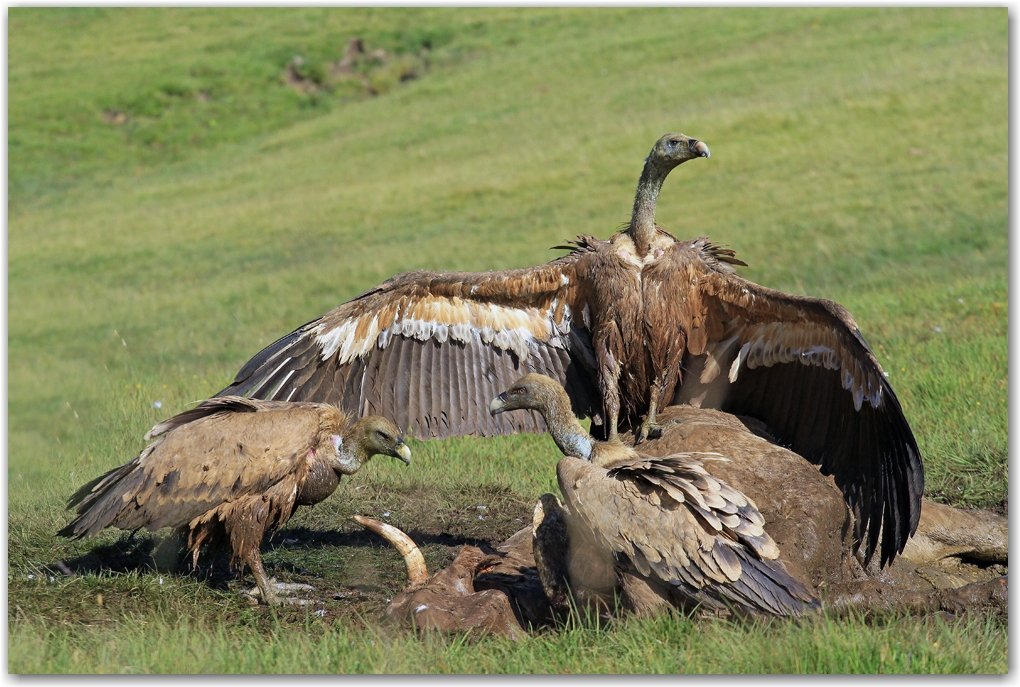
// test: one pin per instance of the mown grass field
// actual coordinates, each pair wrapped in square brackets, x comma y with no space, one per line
[179,197]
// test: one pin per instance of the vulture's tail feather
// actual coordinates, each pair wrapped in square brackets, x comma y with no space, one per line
[95,510]
[765,585]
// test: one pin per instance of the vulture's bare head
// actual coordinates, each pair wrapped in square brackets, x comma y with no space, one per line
[674,149]
[546,395]
[371,435]
[532,391]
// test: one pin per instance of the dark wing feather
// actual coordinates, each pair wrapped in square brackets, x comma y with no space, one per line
[429,350]
[801,365]
[764,586]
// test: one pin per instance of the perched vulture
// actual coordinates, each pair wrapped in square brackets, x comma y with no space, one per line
[687,536]
[626,325]
[231,469]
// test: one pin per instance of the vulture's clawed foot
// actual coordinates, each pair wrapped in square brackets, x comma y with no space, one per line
[280,592]
[650,429]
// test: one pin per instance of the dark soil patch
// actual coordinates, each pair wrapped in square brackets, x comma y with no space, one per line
[355,573]
[115,117]
[360,70]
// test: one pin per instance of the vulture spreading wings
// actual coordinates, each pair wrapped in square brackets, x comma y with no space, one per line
[627,325]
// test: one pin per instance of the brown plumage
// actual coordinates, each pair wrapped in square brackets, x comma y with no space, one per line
[627,325]
[230,470]
[667,521]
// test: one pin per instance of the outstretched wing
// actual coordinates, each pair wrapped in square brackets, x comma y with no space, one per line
[673,521]
[201,458]
[429,350]
[801,365]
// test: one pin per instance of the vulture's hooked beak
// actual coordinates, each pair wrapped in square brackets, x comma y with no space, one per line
[403,452]
[497,404]
[699,148]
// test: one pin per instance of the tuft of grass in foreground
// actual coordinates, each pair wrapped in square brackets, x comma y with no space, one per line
[668,644]
[857,154]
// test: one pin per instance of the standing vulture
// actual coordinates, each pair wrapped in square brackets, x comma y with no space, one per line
[675,530]
[616,322]
[231,469]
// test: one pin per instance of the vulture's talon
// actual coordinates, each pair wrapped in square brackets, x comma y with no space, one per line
[292,588]
[280,593]
[652,430]
[281,588]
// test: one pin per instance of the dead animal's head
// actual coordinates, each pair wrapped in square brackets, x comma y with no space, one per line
[448,601]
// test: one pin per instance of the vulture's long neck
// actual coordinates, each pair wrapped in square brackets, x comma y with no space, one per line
[351,453]
[642,221]
[566,431]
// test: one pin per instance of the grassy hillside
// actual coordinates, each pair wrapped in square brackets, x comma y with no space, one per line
[182,192]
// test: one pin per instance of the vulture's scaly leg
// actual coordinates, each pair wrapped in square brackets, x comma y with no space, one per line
[610,387]
[613,415]
[167,555]
[611,403]
[255,563]
[270,590]
[608,350]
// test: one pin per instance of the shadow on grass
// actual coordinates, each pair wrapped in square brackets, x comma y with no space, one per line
[164,553]
[302,537]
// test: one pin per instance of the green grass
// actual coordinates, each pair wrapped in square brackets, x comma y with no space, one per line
[859,155]
[670,644]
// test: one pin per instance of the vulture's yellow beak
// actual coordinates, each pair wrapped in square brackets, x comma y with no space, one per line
[403,452]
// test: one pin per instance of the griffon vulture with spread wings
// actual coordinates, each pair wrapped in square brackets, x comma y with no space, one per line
[627,325]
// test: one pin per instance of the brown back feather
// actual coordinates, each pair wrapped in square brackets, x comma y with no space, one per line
[681,528]
[197,465]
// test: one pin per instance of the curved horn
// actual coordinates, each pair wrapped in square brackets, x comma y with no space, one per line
[417,573]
